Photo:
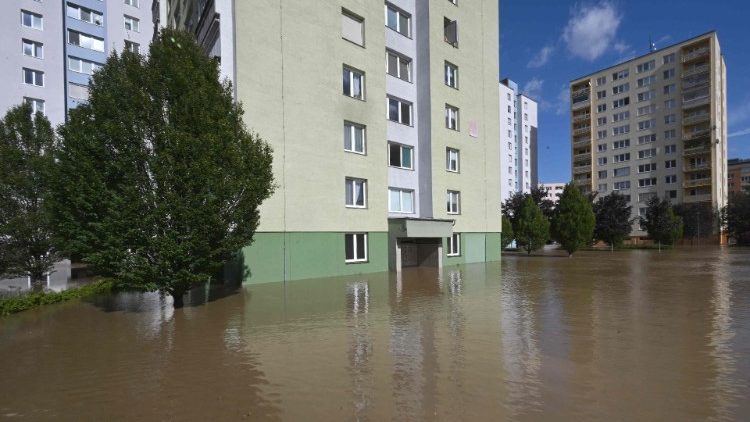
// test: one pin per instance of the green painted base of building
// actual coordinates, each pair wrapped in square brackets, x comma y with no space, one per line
[274,257]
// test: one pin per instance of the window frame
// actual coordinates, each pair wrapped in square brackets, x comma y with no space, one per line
[135,23]
[359,19]
[450,196]
[353,127]
[352,72]
[452,115]
[34,102]
[354,181]
[448,152]
[93,14]
[32,15]
[36,47]
[401,192]
[399,59]
[401,103]
[355,248]
[399,13]
[451,68]
[34,78]
[401,148]
[453,245]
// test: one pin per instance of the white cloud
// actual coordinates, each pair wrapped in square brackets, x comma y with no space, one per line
[533,88]
[542,57]
[740,113]
[591,30]
[742,132]
[621,47]
[562,104]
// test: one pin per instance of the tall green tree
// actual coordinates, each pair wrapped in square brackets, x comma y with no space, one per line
[613,222]
[158,181]
[699,219]
[574,220]
[507,235]
[26,144]
[531,228]
[513,204]
[662,225]
[737,217]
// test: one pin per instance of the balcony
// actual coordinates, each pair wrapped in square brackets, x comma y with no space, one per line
[582,130]
[693,84]
[582,156]
[583,143]
[580,92]
[696,118]
[697,70]
[695,54]
[581,117]
[581,104]
[706,197]
[582,181]
[696,183]
[582,169]
[695,102]
[696,167]
[689,136]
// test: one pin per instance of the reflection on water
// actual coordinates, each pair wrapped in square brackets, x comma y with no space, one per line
[602,336]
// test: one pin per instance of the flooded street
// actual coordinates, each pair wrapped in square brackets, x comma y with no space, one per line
[638,335]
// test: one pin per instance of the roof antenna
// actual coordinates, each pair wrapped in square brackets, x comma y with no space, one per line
[651,45]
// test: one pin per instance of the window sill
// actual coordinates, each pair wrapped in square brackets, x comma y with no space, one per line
[402,168]
[364,153]
[353,42]
[397,122]
[355,207]
[452,255]
[356,261]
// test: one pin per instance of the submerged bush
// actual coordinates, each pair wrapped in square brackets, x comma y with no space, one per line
[13,304]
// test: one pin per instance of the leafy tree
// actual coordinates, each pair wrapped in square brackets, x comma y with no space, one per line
[513,204]
[532,228]
[26,144]
[613,222]
[737,217]
[506,236]
[662,225]
[699,218]
[159,187]
[574,220]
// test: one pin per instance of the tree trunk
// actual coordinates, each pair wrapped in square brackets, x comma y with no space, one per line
[611,247]
[177,298]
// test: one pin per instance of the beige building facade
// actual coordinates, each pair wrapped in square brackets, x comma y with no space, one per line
[654,126]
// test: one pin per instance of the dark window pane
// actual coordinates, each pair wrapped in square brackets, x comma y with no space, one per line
[349,246]
[395,155]
[361,247]
[405,114]
[347,83]
[392,109]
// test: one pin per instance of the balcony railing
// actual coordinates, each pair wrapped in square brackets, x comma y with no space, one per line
[582,169]
[696,167]
[582,156]
[581,104]
[689,136]
[699,150]
[695,54]
[695,71]
[693,84]
[581,117]
[697,182]
[694,102]
[582,143]
[580,92]
[696,118]
[582,130]
[696,198]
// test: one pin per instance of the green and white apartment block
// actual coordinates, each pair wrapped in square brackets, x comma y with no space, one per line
[384,122]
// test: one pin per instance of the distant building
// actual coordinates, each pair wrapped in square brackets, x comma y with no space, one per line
[739,175]
[518,140]
[552,191]
[654,126]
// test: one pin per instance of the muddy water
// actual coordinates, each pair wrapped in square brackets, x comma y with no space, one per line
[624,336]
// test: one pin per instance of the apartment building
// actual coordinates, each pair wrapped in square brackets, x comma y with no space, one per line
[552,191]
[655,125]
[383,121]
[739,175]
[51,48]
[518,140]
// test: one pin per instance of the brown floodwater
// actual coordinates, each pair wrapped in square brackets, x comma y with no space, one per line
[637,335]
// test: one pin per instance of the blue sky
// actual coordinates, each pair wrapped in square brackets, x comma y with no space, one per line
[545,44]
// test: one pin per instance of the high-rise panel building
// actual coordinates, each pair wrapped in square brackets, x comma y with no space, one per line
[655,125]
[518,140]
[739,175]
[383,118]
[51,48]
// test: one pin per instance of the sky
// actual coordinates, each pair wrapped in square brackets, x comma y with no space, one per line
[546,43]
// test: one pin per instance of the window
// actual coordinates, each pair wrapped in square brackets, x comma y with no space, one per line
[398,66]
[669,89]
[601,121]
[602,147]
[454,245]
[672,178]
[670,118]
[670,149]
[454,202]
[601,94]
[86,41]
[646,168]
[354,138]
[352,27]
[670,134]
[620,75]
[646,196]
[78,92]
[646,139]
[32,49]
[648,80]
[621,130]
[622,102]
[451,117]
[621,172]
[37,105]
[83,14]
[670,164]
[33,77]
[133,47]
[450,31]
[647,124]
[525,115]
[31,20]
[668,74]
[619,89]
[398,20]
[602,161]
[645,67]
[670,104]
[356,193]
[619,158]
[400,156]
[451,76]
[601,134]
[671,194]
[601,108]
[618,117]
[642,111]
[400,200]
[621,144]
[651,181]
[399,111]
[134,3]
[603,174]
[621,185]
[646,153]
[82,66]
[354,82]
[601,81]
[355,245]
[452,160]
[669,58]
[602,187]
[646,96]
[132,24]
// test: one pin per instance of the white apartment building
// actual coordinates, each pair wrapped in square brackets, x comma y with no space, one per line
[552,191]
[518,140]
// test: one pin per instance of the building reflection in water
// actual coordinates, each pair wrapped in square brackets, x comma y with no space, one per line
[360,347]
